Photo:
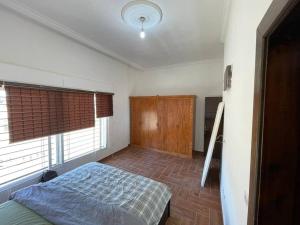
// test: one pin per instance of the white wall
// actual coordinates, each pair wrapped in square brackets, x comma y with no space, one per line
[33,54]
[203,79]
[240,45]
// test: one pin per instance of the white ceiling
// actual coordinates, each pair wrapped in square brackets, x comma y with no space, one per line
[190,29]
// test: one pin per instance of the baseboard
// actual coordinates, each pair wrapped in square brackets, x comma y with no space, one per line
[114,154]
[198,150]
[163,152]
[222,207]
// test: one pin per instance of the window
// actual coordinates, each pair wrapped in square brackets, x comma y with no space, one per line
[26,157]
[23,158]
[103,132]
[20,158]
[81,142]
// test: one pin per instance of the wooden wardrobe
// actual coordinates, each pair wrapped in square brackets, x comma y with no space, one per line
[164,123]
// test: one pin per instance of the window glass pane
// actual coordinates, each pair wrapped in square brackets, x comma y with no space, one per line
[54,150]
[103,132]
[21,158]
[81,142]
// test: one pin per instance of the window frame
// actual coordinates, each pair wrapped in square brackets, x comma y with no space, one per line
[107,133]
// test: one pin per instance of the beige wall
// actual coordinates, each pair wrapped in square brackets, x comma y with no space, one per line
[240,46]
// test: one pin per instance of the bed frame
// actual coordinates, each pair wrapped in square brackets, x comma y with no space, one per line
[165,215]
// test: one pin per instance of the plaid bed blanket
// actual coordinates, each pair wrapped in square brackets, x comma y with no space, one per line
[138,196]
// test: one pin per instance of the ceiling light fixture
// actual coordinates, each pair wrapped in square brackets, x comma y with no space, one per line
[142,33]
[142,15]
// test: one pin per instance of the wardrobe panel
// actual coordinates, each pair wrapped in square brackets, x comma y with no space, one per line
[172,125]
[187,128]
[150,122]
[164,123]
[135,121]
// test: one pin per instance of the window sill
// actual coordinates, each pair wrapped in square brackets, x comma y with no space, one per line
[21,181]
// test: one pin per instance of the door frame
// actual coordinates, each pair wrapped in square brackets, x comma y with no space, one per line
[276,13]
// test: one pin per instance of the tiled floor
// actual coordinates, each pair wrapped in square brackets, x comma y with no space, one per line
[190,204]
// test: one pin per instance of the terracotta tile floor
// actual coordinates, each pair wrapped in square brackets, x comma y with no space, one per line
[190,204]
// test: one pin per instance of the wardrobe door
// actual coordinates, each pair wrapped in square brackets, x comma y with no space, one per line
[149,122]
[186,140]
[162,123]
[178,125]
[135,121]
[172,125]
[144,122]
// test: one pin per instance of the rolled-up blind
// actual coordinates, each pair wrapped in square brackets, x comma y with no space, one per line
[78,111]
[37,112]
[104,104]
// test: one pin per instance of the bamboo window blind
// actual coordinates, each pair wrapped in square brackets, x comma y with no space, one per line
[104,104]
[35,112]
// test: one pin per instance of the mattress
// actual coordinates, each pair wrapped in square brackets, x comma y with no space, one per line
[13,213]
[97,194]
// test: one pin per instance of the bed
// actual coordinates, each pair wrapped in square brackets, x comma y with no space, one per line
[98,194]
[13,213]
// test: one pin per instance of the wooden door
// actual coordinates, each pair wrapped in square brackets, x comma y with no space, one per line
[171,125]
[150,122]
[135,122]
[211,106]
[279,198]
[187,126]
[177,124]
[162,123]
[144,122]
